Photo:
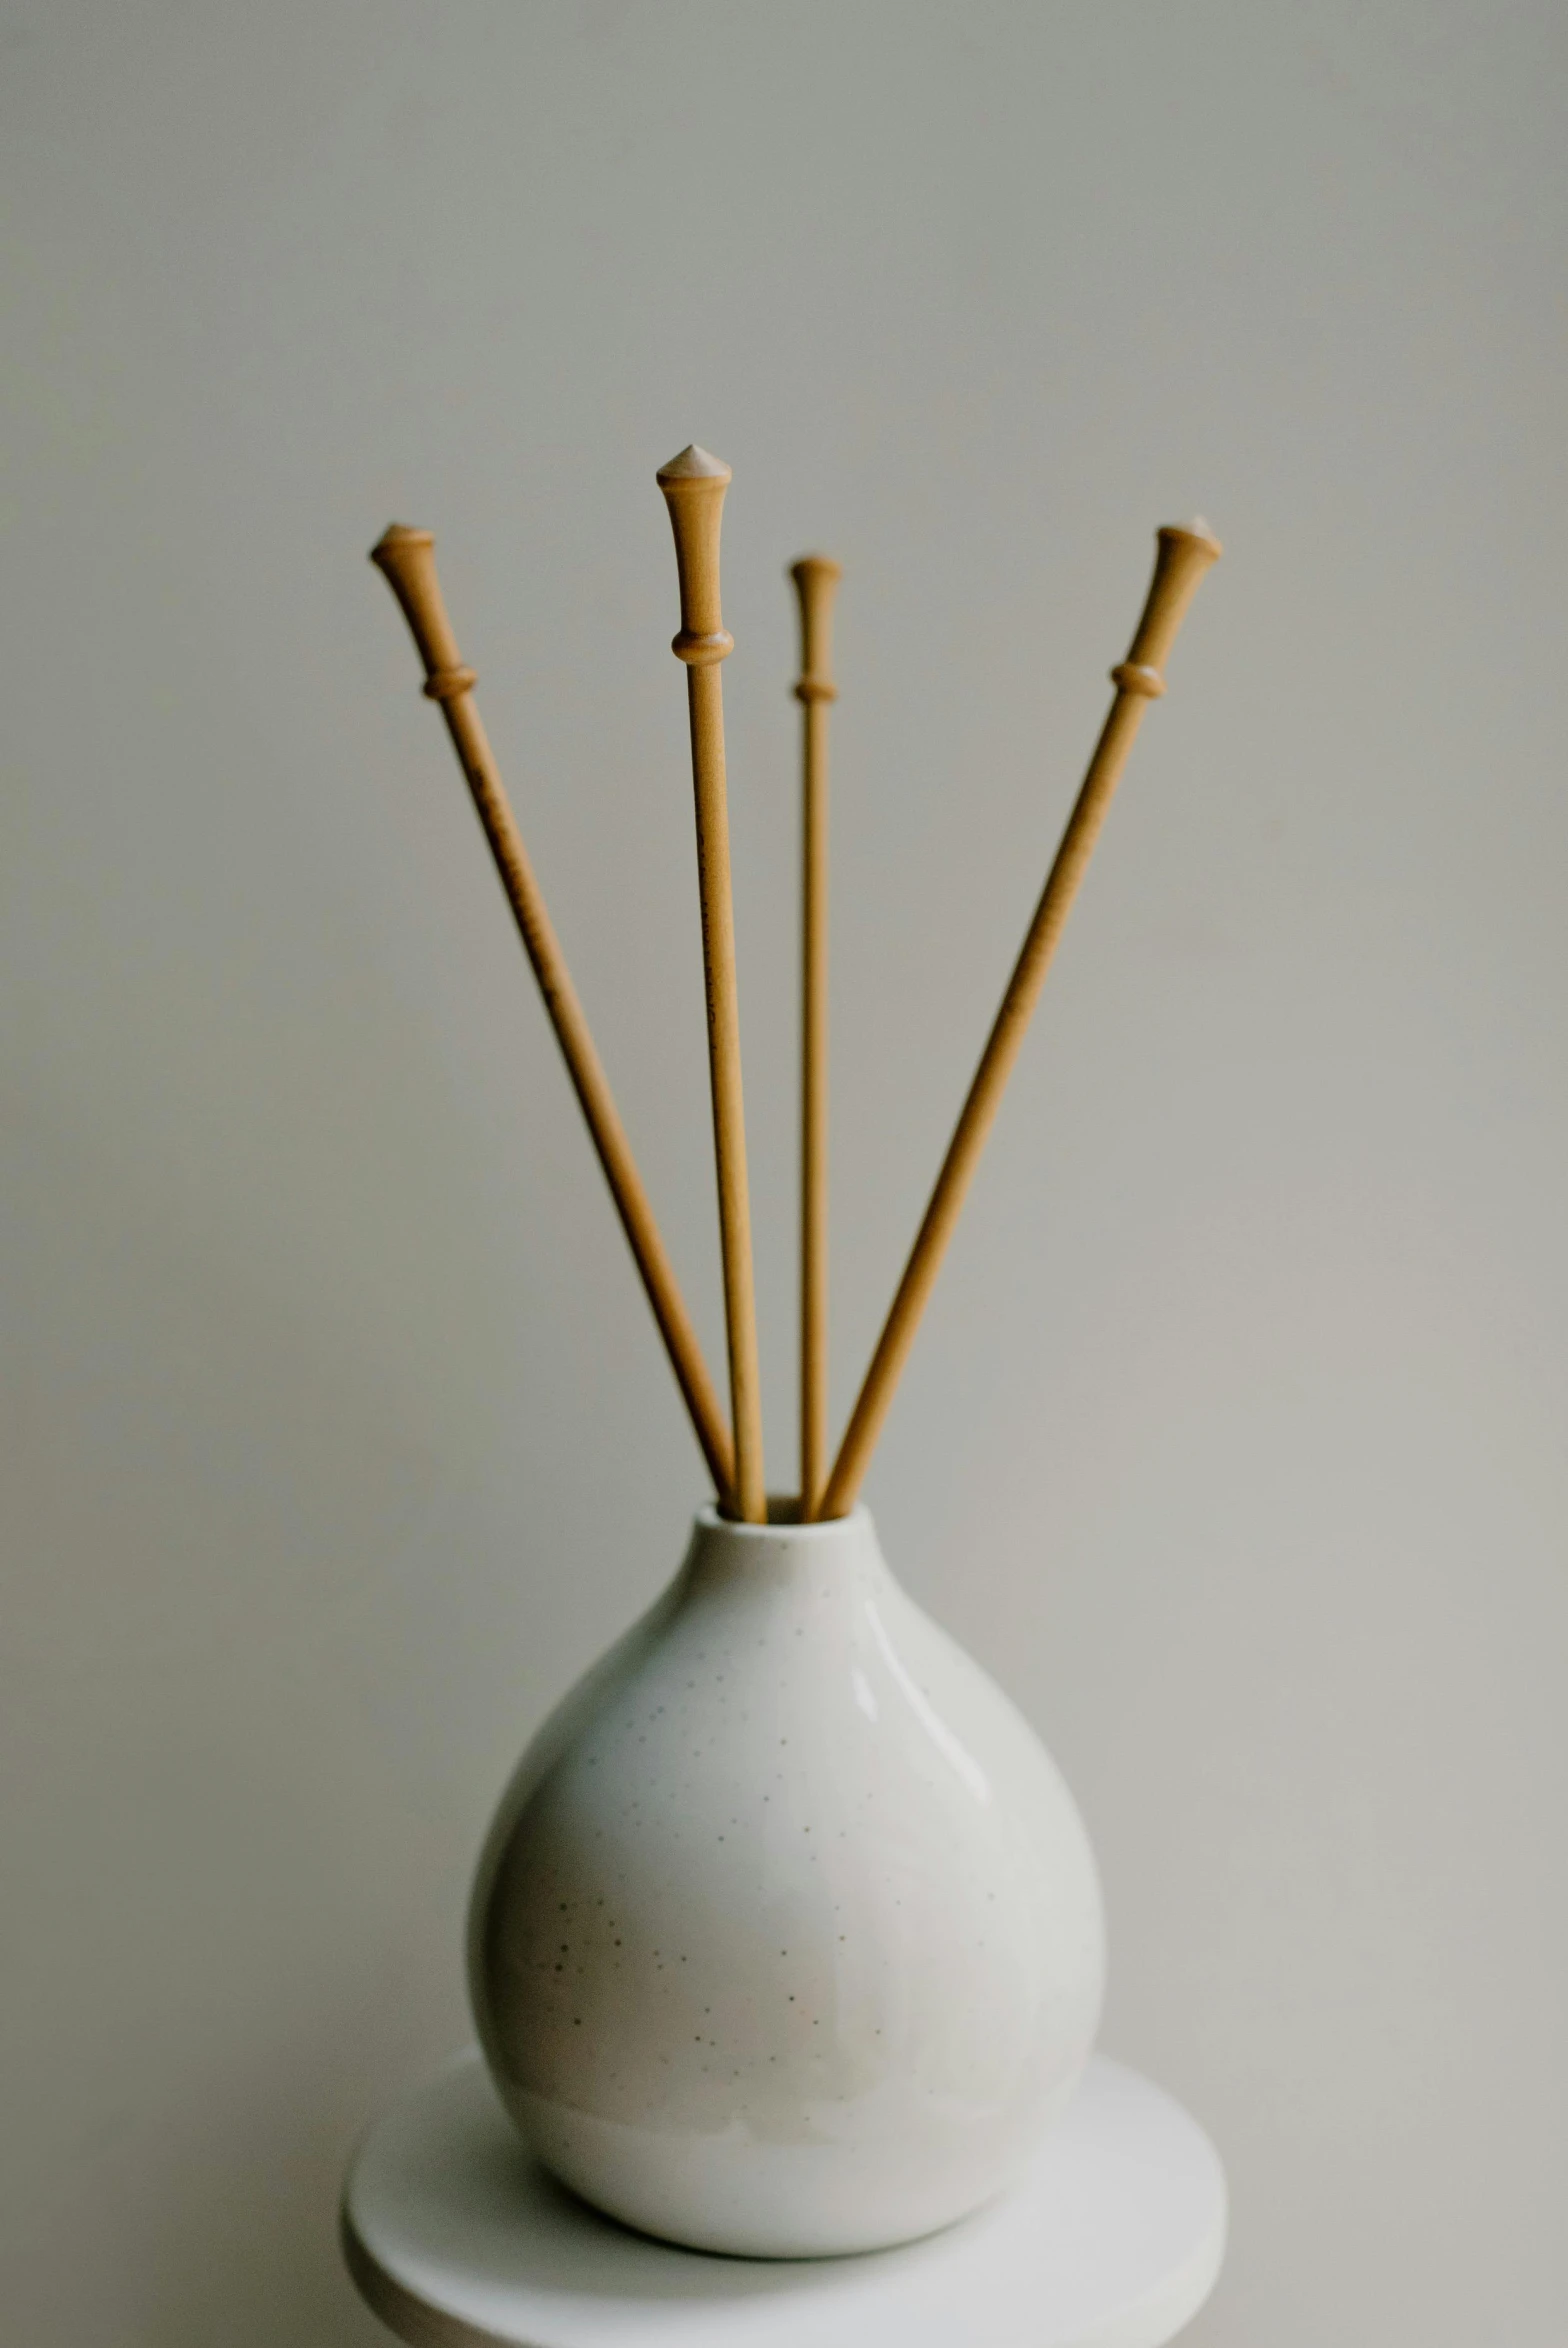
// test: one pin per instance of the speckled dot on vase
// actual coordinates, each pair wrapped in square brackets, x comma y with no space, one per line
[787,1939]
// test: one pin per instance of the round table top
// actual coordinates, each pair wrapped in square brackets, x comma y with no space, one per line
[457,2238]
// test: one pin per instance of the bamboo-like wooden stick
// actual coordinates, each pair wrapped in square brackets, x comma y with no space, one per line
[694,484]
[1184,554]
[407,557]
[816,583]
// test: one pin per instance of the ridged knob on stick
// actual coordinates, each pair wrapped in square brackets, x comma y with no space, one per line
[816,578]
[694,484]
[408,560]
[1183,554]
[816,584]
[1184,551]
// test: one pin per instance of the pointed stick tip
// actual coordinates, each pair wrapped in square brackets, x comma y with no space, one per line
[1198,529]
[694,464]
[395,538]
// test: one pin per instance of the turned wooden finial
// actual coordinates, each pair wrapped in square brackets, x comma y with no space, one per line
[407,558]
[694,484]
[816,578]
[1184,552]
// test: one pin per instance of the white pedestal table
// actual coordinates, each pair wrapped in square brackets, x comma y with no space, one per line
[458,2239]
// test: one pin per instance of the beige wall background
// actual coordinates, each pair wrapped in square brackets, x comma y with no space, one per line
[339,1436]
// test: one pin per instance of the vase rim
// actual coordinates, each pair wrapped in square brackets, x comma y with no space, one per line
[710,1519]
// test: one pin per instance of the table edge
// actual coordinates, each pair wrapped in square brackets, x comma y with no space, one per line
[419,2323]
[414,2320]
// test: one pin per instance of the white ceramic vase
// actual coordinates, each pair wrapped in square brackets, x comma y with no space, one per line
[787,1938]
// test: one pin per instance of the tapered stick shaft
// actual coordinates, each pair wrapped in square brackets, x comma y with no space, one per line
[407,557]
[694,484]
[1183,557]
[816,583]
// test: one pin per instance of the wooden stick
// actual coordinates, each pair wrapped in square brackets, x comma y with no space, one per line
[694,484]
[1182,558]
[816,583]
[407,557]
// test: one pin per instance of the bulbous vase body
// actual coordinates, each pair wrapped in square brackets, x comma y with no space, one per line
[786,1940]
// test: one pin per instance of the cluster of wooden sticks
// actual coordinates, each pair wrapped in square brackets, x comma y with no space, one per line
[694,484]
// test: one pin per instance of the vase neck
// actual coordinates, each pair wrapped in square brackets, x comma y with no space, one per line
[722,1550]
